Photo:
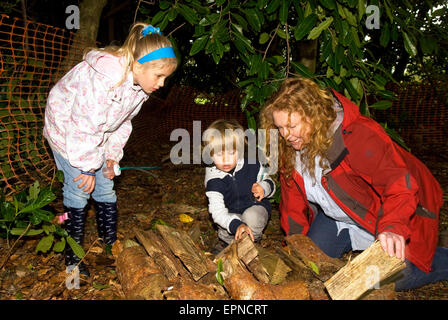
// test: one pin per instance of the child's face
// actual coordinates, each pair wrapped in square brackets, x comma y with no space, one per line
[151,79]
[225,160]
[297,133]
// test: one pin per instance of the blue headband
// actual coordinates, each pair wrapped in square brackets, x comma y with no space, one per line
[150,29]
[166,52]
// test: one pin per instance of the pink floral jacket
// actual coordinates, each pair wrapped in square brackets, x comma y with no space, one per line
[88,117]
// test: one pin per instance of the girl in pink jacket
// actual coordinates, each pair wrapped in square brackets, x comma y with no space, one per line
[88,122]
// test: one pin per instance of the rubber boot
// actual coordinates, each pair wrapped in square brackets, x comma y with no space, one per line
[74,226]
[106,219]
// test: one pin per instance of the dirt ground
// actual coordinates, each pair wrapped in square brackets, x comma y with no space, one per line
[142,198]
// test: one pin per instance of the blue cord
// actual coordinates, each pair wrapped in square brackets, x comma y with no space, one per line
[150,168]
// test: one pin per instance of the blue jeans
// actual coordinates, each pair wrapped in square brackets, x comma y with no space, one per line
[75,197]
[323,232]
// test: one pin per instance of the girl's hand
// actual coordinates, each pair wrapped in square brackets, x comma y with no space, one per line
[110,166]
[87,181]
[393,244]
[243,228]
[258,191]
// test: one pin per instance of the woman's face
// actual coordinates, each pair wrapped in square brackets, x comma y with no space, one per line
[297,132]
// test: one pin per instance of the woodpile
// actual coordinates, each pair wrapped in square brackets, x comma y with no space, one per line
[166,263]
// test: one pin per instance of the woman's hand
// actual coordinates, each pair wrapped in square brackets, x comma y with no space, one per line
[258,191]
[244,228]
[86,180]
[393,244]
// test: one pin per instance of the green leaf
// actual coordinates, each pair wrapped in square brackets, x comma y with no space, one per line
[164,5]
[305,26]
[198,45]
[77,249]
[156,221]
[45,244]
[158,17]
[253,19]
[329,4]
[240,20]
[303,70]
[99,286]
[315,33]
[381,105]
[313,266]
[31,232]
[351,19]
[409,45]
[273,5]
[264,37]
[7,211]
[385,35]
[45,197]
[60,176]
[218,272]
[59,246]
[34,190]
[188,13]
[49,228]
[284,8]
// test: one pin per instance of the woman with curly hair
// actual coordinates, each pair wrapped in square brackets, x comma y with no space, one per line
[345,183]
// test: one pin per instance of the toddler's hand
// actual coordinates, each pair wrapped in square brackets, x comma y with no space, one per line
[258,191]
[244,228]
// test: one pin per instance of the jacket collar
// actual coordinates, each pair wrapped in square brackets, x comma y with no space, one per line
[338,149]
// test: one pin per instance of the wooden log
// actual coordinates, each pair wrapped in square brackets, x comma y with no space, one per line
[184,289]
[242,285]
[245,249]
[159,251]
[301,272]
[276,268]
[313,257]
[368,269]
[139,275]
[186,250]
[248,254]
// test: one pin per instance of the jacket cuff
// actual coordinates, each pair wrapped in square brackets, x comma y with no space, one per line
[395,228]
[234,224]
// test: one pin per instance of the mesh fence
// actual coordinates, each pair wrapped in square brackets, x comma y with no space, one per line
[32,58]
[420,115]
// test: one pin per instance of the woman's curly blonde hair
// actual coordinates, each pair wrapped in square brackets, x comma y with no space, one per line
[306,98]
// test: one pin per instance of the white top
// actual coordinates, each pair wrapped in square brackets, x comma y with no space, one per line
[316,193]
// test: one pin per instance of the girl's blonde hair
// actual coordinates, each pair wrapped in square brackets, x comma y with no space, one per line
[223,135]
[306,98]
[136,46]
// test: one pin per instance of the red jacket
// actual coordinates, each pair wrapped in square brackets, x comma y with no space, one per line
[377,183]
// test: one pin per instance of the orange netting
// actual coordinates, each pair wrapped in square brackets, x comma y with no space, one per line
[32,57]
[420,115]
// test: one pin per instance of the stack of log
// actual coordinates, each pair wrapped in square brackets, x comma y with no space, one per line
[167,264]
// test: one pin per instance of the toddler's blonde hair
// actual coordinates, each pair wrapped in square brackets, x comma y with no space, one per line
[223,135]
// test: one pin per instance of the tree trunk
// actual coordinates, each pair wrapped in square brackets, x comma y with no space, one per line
[307,54]
[90,14]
